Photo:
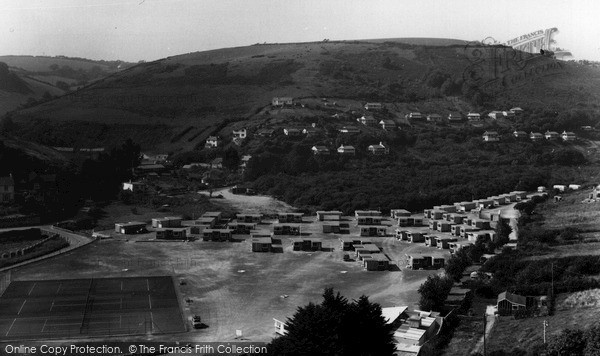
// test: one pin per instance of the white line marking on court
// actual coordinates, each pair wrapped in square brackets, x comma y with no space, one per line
[149,301]
[148,284]
[21,308]
[151,321]
[52,306]
[58,289]
[44,326]
[11,325]
[31,290]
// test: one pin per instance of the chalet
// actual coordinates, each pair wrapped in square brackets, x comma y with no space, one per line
[261,244]
[415,331]
[292,132]
[455,229]
[328,215]
[336,227]
[409,221]
[465,206]
[559,187]
[473,116]
[454,247]
[249,218]
[373,106]
[359,213]
[434,118]
[414,116]
[517,110]
[495,115]
[521,195]
[435,214]
[289,217]
[388,125]
[498,200]
[507,303]
[401,235]
[367,120]
[240,134]
[265,132]
[286,229]
[465,230]
[168,221]
[346,150]
[445,208]
[491,136]
[208,221]
[431,241]
[241,227]
[433,224]
[480,223]
[217,234]
[349,130]
[212,142]
[305,244]
[350,243]
[444,226]
[520,134]
[416,261]
[376,262]
[508,114]
[551,135]
[484,235]
[320,150]
[568,136]
[444,242]
[536,136]
[133,227]
[574,186]
[396,213]
[373,231]
[171,234]
[282,101]
[415,237]
[484,203]
[280,327]
[369,220]
[362,251]
[455,117]
[379,149]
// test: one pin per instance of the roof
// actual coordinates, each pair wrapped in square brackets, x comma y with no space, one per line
[455,115]
[262,240]
[347,147]
[490,133]
[430,115]
[473,114]
[132,223]
[212,138]
[387,122]
[513,298]
[320,148]
[392,313]
[332,212]
[411,334]
[367,248]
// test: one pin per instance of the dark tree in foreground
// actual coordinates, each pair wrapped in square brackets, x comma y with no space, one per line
[503,231]
[569,342]
[336,327]
[434,292]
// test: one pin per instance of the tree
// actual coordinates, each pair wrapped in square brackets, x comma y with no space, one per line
[569,342]
[503,231]
[336,327]
[434,292]
[231,159]
[592,337]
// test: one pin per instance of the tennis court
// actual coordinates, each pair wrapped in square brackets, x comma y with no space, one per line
[89,307]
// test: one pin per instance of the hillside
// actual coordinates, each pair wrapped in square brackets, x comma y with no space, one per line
[172,105]
[38,78]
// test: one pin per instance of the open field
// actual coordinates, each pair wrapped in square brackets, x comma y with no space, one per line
[570,211]
[233,288]
[264,204]
[49,309]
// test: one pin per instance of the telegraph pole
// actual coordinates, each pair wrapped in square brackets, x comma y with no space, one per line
[545,325]
[484,322]
[552,269]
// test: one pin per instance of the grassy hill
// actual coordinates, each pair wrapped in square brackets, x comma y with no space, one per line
[173,104]
[41,77]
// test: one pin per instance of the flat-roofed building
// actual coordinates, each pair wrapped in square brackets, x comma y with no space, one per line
[168,221]
[416,237]
[241,227]
[336,227]
[249,218]
[217,234]
[397,213]
[289,217]
[132,227]
[329,215]
[377,262]
[369,220]
[443,243]
[307,244]
[359,213]
[373,231]
[208,222]
[262,244]
[171,233]
[286,229]
[349,243]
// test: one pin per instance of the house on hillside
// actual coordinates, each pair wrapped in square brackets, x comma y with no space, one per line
[414,116]
[367,120]
[517,110]
[212,142]
[455,117]
[434,118]
[536,136]
[216,163]
[240,134]
[282,101]
[320,150]
[379,149]
[349,130]
[495,115]
[551,135]
[292,132]
[346,150]
[507,303]
[388,125]
[473,116]
[520,134]
[373,106]
[508,114]
[261,244]
[568,136]
[491,136]
[310,131]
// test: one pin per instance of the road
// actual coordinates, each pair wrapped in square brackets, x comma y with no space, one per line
[490,320]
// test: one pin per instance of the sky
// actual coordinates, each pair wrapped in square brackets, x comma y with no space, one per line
[134,30]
